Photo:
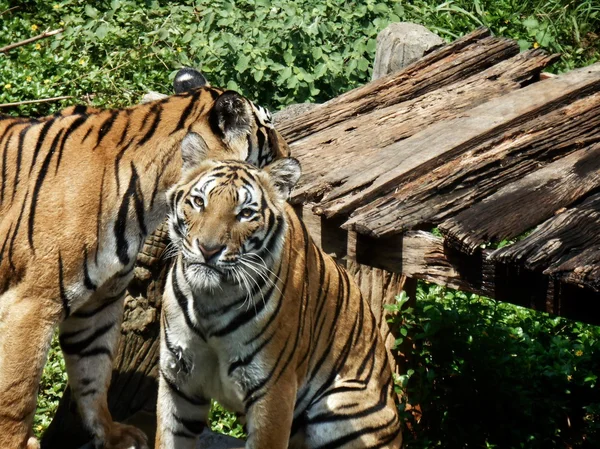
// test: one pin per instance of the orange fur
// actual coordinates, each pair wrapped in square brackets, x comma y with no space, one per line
[79,192]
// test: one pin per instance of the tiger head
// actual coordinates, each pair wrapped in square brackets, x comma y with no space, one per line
[227,219]
[238,127]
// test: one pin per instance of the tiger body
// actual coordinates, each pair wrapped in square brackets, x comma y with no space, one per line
[79,193]
[256,316]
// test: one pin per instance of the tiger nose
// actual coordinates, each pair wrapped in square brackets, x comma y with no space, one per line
[209,251]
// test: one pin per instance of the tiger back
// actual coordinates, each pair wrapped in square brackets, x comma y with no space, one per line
[79,192]
[256,316]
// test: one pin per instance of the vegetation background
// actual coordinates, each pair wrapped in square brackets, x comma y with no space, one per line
[486,374]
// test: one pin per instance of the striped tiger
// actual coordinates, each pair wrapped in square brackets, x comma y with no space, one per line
[79,192]
[256,316]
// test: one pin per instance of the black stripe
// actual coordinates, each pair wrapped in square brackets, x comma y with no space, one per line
[87,133]
[182,301]
[138,198]
[4,245]
[61,286]
[88,392]
[194,426]
[187,111]
[99,217]
[40,141]
[80,109]
[16,231]
[157,111]
[102,350]
[106,127]
[118,162]
[19,158]
[251,396]
[175,389]
[80,346]
[108,302]
[247,359]
[4,157]
[125,128]
[38,185]
[87,281]
[120,226]
[340,442]
[76,124]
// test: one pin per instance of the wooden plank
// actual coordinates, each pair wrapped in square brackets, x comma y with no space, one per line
[458,60]
[421,255]
[566,246]
[444,141]
[457,184]
[346,145]
[423,152]
[526,202]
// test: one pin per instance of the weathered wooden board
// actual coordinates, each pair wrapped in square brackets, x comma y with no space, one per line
[346,145]
[441,143]
[465,56]
[527,202]
[421,255]
[566,246]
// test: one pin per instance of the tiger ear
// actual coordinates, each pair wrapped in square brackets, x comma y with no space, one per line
[231,116]
[193,151]
[188,79]
[284,175]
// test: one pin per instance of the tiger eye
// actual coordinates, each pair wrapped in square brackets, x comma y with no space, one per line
[246,213]
[198,202]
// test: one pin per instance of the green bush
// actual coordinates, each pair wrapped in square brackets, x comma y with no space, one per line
[490,374]
[274,51]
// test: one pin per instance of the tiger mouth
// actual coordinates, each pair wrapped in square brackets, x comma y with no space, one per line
[205,267]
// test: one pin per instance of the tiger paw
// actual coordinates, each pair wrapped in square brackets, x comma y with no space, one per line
[123,436]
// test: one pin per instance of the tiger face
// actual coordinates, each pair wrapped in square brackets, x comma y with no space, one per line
[227,216]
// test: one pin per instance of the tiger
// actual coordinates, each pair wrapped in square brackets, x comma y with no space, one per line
[260,319]
[79,192]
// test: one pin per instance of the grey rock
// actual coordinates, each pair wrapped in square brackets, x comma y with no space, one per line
[292,111]
[401,44]
[211,440]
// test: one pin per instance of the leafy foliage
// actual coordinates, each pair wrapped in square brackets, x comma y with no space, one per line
[490,374]
[274,51]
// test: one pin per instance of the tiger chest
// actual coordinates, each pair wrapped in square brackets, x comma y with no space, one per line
[213,371]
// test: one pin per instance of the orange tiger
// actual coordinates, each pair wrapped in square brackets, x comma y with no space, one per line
[256,316]
[79,192]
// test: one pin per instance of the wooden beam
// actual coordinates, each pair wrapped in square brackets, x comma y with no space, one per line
[444,141]
[526,202]
[347,145]
[421,255]
[566,246]
[470,54]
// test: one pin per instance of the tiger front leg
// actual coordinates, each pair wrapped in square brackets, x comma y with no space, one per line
[181,417]
[26,327]
[88,339]
[270,414]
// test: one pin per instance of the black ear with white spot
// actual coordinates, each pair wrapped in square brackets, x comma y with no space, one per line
[188,79]
[193,151]
[284,174]
[231,115]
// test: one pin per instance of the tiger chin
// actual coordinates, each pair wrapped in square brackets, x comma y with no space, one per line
[257,317]
[79,192]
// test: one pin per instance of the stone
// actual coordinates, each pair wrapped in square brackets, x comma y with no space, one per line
[401,44]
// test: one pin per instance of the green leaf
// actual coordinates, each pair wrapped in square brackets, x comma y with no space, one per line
[102,31]
[258,75]
[242,63]
[91,11]
[317,52]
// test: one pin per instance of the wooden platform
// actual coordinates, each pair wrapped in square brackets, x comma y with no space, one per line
[472,140]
